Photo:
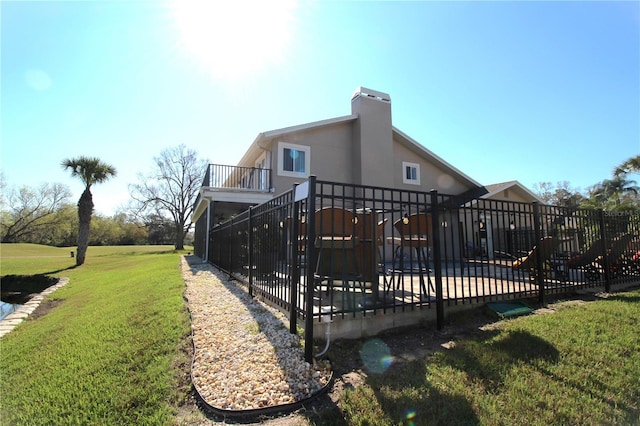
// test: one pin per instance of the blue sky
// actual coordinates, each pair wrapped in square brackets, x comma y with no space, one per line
[527,91]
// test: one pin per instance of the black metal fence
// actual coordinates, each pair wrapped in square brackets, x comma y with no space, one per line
[326,248]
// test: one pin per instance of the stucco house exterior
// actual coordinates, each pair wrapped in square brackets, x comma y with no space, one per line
[362,148]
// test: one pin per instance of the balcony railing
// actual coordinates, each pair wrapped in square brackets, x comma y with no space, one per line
[237,178]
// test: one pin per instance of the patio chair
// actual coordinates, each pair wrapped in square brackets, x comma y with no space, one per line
[336,242]
[379,243]
[635,263]
[619,263]
[543,250]
[413,231]
[587,261]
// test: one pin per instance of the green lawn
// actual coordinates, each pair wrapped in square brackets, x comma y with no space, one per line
[109,350]
[112,352]
[578,366]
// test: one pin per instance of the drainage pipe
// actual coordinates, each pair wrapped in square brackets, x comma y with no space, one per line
[328,337]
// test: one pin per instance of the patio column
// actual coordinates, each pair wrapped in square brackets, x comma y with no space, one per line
[208,230]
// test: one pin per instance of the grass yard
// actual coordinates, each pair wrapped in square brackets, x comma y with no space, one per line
[577,366]
[111,350]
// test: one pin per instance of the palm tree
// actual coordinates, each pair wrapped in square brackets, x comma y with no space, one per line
[630,166]
[90,170]
[614,190]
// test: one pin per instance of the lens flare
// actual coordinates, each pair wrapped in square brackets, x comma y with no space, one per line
[410,416]
[376,356]
[233,39]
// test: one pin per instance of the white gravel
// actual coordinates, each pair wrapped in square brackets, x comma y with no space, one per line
[245,357]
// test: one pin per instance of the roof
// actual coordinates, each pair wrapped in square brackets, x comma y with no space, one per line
[263,138]
[419,149]
[496,188]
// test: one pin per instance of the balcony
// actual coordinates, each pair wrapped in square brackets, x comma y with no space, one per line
[234,178]
[233,187]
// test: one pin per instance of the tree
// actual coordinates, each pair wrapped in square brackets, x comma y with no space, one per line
[632,165]
[159,229]
[65,233]
[559,195]
[90,170]
[171,189]
[616,193]
[27,212]
[132,230]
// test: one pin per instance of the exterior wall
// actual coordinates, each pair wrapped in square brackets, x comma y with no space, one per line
[362,151]
[200,236]
[431,176]
[330,157]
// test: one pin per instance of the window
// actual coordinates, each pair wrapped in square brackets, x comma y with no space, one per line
[411,173]
[293,160]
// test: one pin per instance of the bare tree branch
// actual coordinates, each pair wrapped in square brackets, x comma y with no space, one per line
[29,210]
[170,189]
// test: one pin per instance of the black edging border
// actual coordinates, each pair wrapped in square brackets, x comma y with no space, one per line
[251,412]
[254,413]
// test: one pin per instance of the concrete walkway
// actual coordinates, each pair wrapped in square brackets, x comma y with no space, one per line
[8,323]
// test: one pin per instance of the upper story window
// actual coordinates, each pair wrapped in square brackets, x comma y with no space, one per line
[293,160]
[411,173]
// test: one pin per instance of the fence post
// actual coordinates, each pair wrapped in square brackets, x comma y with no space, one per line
[295,265]
[231,249]
[250,259]
[605,258]
[310,279]
[437,258]
[538,236]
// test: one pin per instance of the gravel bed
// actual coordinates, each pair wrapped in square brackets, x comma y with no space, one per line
[245,358]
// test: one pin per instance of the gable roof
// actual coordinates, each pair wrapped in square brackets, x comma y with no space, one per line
[263,139]
[496,188]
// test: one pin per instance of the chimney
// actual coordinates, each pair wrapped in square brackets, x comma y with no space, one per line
[373,138]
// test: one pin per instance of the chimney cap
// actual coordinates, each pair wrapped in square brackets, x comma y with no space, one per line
[363,91]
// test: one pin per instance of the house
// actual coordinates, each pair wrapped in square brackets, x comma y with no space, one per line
[362,148]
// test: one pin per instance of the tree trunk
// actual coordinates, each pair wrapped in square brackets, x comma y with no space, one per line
[179,245]
[85,210]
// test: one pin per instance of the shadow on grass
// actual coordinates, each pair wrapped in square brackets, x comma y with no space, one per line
[407,395]
[393,391]
[27,283]
[398,388]
[18,289]
[68,268]
[626,298]
[491,362]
